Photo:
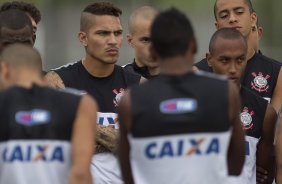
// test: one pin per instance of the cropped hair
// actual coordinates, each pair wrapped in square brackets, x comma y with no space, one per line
[100,8]
[103,8]
[171,33]
[24,6]
[14,19]
[226,33]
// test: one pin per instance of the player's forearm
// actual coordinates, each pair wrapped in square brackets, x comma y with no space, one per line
[123,154]
[278,153]
[78,176]
[127,178]
[265,162]
[279,174]
[264,154]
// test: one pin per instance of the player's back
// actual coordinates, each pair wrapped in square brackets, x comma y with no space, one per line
[35,132]
[182,134]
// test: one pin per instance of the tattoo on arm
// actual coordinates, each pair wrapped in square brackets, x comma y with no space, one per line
[107,137]
[54,80]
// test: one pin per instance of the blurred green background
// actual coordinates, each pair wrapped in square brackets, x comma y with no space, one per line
[57,32]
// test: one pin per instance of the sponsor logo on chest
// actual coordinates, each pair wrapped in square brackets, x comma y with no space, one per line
[182,147]
[178,106]
[108,119]
[33,117]
[33,153]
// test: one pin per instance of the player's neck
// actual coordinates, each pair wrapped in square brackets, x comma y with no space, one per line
[138,63]
[175,66]
[251,51]
[154,70]
[27,79]
[97,68]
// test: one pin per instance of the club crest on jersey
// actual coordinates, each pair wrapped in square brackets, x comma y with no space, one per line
[246,118]
[119,93]
[178,105]
[260,83]
[33,117]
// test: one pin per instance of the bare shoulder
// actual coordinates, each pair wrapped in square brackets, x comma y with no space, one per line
[234,101]
[54,80]
[195,68]
[124,104]
[270,111]
[124,111]
[276,100]
[142,80]
[269,122]
[89,103]
[233,91]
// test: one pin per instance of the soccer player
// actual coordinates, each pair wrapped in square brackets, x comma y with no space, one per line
[177,137]
[46,136]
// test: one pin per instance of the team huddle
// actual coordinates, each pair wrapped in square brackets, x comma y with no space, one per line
[162,118]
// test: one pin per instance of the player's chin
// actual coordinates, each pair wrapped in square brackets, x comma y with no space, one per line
[235,80]
[111,60]
[153,65]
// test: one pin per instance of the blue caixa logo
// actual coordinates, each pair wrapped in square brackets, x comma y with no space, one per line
[182,147]
[33,153]
[178,105]
[33,117]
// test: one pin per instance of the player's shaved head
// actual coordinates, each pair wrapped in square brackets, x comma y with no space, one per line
[226,33]
[144,12]
[21,56]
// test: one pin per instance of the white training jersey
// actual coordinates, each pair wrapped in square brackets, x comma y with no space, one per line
[248,174]
[105,166]
[198,158]
[35,161]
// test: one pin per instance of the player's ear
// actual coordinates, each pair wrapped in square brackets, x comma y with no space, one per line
[129,39]
[254,18]
[82,38]
[208,57]
[4,71]
[216,25]
[260,32]
[33,38]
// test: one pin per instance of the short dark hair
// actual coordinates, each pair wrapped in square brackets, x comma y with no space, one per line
[171,33]
[14,19]
[24,6]
[226,33]
[248,2]
[100,8]
[103,8]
